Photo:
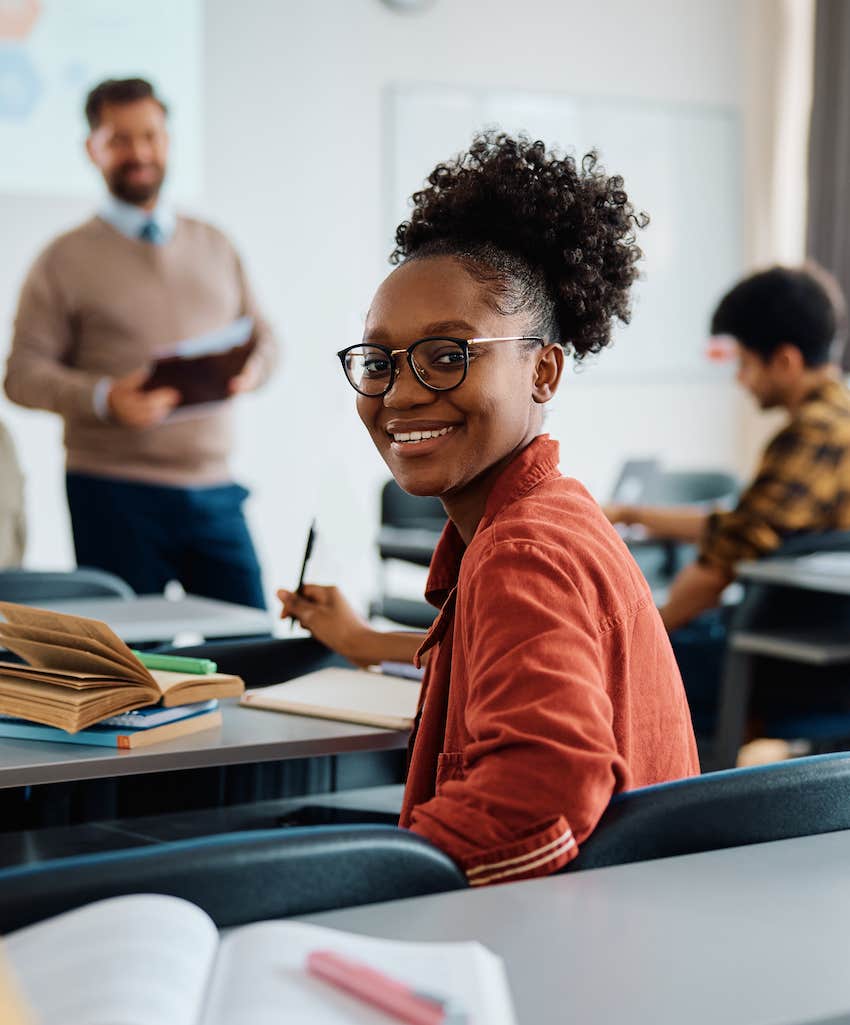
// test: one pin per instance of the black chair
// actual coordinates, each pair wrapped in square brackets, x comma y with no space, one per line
[733,808]
[263,661]
[28,586]
[240,877]
[793,693]
[410,529]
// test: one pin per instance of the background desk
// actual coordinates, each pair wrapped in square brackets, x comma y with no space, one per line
[149,618]
[799,572]
[747,936]
[805,630]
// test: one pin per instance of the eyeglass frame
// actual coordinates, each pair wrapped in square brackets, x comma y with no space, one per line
[463,343]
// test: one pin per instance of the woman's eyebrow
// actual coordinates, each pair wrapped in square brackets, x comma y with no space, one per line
[438,327]
[441,327]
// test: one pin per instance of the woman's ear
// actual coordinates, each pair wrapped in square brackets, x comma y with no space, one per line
[548,369]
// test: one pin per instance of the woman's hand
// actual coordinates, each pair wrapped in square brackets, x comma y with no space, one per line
[330,619]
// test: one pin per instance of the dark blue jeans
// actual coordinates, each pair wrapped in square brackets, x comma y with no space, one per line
[148,534]
[699,648]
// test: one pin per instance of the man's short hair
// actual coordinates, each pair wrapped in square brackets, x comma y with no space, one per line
[800,306]
[118,91]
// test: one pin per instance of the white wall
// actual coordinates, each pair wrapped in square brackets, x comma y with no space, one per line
[294,173]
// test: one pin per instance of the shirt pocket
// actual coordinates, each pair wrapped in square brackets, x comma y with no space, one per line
[449,767]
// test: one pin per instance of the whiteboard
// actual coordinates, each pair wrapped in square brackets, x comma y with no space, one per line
[681,164]
[53,51]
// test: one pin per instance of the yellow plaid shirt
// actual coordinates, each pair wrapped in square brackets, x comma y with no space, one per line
[802,485]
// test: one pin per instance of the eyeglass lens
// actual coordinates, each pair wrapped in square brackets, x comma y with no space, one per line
[439,363]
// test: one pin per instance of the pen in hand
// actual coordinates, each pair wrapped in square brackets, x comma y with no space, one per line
[308,551]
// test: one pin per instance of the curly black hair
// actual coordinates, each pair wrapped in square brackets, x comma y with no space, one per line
[551,236]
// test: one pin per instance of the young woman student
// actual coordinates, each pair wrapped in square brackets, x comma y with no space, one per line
[550,684]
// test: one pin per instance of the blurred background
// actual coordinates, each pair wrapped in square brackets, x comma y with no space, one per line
[300,127]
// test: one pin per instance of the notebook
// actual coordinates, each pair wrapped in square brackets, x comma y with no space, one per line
[348,695]
[201,368]
[103,735]
[80,672]
[149,959]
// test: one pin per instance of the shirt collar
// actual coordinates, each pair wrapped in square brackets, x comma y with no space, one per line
[130,219]
[832,389]
[537,462]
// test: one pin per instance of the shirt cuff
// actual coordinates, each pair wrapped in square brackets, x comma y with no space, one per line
[100,398]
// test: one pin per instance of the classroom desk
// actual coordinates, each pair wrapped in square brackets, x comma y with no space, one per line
[805,572]
[152,617]
[247,735]
[825,572]
[747,936]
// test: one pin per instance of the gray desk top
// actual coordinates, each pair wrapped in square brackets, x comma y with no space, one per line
[748,936]
[151,617]
[815,647]
[247,735]
[810,572]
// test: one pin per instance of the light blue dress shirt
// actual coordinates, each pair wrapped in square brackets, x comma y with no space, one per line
[130,220]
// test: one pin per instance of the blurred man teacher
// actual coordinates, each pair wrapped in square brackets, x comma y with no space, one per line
[150,494]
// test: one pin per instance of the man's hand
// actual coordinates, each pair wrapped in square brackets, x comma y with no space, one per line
[247,380]
[330,619]
[131,406]
[619,513]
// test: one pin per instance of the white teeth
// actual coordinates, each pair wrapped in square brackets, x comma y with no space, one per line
[414,436]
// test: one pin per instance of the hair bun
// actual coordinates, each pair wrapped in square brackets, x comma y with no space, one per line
[573,225]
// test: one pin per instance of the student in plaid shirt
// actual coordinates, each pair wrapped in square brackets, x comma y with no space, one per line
[784,323]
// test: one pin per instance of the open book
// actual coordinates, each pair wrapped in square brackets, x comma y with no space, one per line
[348,695]
[80,672]
[148,959]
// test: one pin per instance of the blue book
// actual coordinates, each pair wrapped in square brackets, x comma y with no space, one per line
[103,735]
[156,715]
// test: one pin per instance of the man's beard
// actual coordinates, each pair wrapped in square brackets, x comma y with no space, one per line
[132,192]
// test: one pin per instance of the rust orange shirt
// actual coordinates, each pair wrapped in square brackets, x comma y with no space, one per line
[550,686]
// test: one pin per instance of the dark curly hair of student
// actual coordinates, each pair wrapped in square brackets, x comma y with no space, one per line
[551,236]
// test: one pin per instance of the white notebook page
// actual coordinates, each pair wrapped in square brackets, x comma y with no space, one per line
[260,977]
[136,960]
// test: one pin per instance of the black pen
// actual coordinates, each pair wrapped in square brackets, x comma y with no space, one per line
[308,551]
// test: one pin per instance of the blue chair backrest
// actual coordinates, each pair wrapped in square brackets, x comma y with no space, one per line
[731,808]
[240,877]
[29,586]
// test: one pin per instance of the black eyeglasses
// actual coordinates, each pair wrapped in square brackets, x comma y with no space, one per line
[440,364]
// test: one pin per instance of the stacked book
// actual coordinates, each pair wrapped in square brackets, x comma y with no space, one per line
[80,683]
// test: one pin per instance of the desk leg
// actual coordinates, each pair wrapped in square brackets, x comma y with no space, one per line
[735,691]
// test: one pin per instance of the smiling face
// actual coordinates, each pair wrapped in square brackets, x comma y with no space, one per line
[467,435]
[130,149]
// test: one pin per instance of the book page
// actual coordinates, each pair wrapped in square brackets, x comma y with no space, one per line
[138,960]
[62,640]
[41,655]
[45,619]
[259,977]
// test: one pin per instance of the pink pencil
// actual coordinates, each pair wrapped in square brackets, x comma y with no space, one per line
[373,987]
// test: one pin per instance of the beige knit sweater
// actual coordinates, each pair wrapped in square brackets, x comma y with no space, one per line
[98,304]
